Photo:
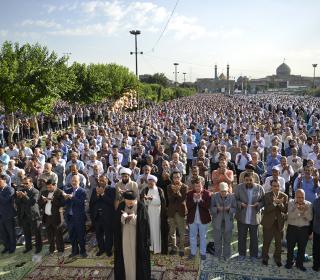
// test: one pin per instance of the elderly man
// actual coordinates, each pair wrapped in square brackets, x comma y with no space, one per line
[275,176]
[249,203]
[4,158]
[155,201]
[125,184]
[75,216]
[194,175]
[91,163]
[132,240]
[223,209]
[316,234]
[74,171]
[198,218]
[74,160]
[102,211]
[45,176]
[177,211]
[29,214]
[274,215]
[299,218]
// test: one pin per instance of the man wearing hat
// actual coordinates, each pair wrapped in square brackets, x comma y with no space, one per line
[223,209]
[125,184]
[132,240]
[154,199]
[52,202]
[275,176]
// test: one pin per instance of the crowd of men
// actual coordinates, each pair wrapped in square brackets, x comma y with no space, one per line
[144,179]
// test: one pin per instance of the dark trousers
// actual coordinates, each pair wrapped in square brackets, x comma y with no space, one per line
[297,235]
[55,235]
[104,234]
[77,235]
[29,228]
[8,234]
[316,250]
[268,235]
[287,188]
[242,239]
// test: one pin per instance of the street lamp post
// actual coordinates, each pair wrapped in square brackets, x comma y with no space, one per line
[136,33]
[176,73]
[314,74]
[184,77]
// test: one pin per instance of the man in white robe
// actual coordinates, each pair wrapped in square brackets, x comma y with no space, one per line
[153,203]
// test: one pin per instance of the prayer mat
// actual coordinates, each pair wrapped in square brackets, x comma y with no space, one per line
[214,268]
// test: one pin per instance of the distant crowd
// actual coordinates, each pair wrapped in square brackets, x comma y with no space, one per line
[191,163]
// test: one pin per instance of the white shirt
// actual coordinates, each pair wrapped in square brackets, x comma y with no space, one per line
[48,206]
[267,184]
[306,150]
[286,175]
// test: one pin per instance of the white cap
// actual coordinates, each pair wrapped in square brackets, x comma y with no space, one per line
[152,177]
[125,171]
[223,187]
[276,167]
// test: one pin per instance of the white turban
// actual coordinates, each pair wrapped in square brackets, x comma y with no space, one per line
[125,171]
[152,177]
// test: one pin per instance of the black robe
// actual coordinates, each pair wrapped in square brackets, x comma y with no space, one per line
[143,264]
[163,217]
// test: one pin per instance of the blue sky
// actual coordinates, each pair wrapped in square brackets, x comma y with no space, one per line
[254,37]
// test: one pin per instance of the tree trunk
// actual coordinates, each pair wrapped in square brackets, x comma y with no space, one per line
[36,125]
[12,125]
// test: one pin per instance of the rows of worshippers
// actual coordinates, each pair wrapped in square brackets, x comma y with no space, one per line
[179,167]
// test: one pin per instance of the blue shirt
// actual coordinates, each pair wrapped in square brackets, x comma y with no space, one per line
[271,162]
[4,159]
[308,187]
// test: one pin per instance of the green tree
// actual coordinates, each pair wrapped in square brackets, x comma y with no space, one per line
[31,80]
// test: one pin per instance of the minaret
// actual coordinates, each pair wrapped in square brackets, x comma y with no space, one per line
[216,72]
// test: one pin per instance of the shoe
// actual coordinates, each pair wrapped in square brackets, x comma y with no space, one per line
[288,266]
[72,255]
[302,268]
[191,257]
[26,250]
[181,253]
[279,264]
[265,262]
[172,252]
[241,258]
[83,255]
[37,251]
[203,257]
[4,251]
[99,253]
[315,268]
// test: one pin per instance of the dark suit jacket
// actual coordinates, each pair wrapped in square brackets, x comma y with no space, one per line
[204,206]
[105,203]
[77,204]
[7,210]
[56,203]
[177,201]
[28,207]
[273,213]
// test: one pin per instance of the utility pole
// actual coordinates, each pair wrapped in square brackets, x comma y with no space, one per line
[136,33]
[176,73]
[314,75]
[67,54]
[184,77]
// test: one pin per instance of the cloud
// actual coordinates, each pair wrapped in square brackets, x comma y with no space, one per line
[58,8]
[40,23]
[3,33]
